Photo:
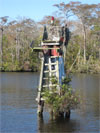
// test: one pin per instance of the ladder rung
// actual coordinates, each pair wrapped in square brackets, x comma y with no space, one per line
[52,71]
[37,99]
[49,85]
[48,78]
[45,78]
[50,64]
[46,71]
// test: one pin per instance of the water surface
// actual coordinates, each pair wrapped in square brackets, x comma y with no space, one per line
[18,108]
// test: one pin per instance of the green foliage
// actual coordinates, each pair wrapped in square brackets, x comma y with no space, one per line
[60,99]
[67,80]
[17,37]
[92,66]
[85,35]
[92,56]
[71,53]
[15,43]
[34,61]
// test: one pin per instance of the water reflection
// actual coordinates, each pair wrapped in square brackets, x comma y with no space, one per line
[19,108]
[18,105]
[89,87]
[18,89]
[84,119]
[60,125]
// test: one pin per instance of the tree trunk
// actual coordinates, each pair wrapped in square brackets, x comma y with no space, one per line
[17,46]
[84,30]
[79,57]
[1,49]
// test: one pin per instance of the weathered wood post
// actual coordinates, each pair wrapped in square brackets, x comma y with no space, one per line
[52,47]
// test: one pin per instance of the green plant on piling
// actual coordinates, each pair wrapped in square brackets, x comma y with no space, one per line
[60,98]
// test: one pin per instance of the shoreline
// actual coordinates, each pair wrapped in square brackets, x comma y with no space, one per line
[23,71]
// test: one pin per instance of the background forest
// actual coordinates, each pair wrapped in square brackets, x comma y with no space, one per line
[83,50]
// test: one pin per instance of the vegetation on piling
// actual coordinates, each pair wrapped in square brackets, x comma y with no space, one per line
[61,98]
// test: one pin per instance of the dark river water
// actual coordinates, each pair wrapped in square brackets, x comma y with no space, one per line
[18,108]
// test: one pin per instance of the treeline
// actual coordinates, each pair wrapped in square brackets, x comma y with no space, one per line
[83,50]
[15,39]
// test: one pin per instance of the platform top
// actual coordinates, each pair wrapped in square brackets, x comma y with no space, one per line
[50,43]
